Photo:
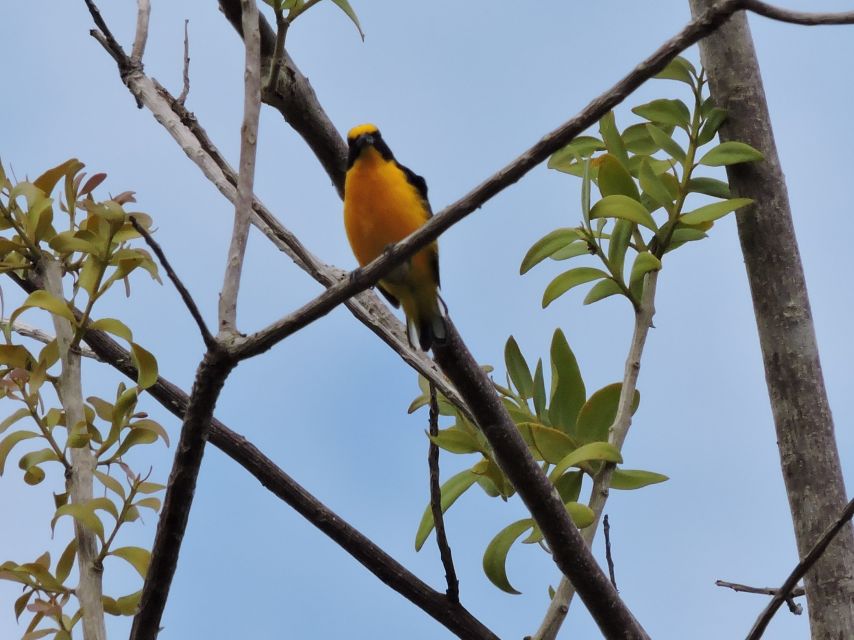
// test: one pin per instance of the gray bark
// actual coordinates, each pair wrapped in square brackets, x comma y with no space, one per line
[805,433]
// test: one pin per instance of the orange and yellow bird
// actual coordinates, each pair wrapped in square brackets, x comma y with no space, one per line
[383,203]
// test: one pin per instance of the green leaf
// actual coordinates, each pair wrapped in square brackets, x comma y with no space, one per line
[9,442]
[625,208]
[581,514]
[136,556]
[666,112]
[569,279]
[15,356]
[678,69]
[82,513]
[727,153]
[615,179]
[456,440]
[47,181]
[451,490]
[653,186]
[546,246]
[681,235]
[644,263]
[637,140]
[585,192]
[611,136]
[709,187]
[116,327]
[714,211]
[577,248]
[598,413]
[41,299]
[667,144]
[601,290]
[549,444]
[585,453]
[149,503]
[569,158]
[618,245]
[539,391]
[713,122]
[346,8]
[135,437]
[8,422]
[66,561]
[569,486]
[518,369]
[145,364]
[628,479]
[495,556]
[568,392]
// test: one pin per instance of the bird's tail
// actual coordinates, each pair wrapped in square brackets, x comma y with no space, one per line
[431,325]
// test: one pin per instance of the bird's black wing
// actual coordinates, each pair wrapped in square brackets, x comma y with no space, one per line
[420,185]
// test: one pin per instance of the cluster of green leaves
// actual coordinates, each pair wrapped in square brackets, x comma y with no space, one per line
[294,8]
[94,253]
[646,178]
[566,431]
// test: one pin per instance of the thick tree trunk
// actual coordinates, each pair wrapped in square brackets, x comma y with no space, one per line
[805,435]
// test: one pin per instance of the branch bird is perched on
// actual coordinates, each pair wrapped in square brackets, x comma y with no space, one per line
[383,203]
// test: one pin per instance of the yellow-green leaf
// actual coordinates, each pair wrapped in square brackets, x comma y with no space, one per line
[589,451]
[136,556]
[495,556]
[623,207]
[714,211]
[145,364]
[569,279]
[452,489]
[41,299]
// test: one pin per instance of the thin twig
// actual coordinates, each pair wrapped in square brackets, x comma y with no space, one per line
[282,25]
[606,529]
[436,503]
[182,290]
[185,90]
[246,178]
[142,16]
[797,592]
[799,571]
[559,604]
[453,616]
[798,17]
[44,337]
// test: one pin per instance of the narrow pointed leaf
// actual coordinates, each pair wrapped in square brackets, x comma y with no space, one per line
[495,556]
[568,392]
[601,290]
[728,153]
[625,208]
[546,246]
[668,144]
[714,211]
[584,453]
[518,369]
[569,279]
[615,179]
[451,490]
[627,479]
[644,263]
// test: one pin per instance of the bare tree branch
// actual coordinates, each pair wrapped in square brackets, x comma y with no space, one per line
[569,550]
[44,337]
[185,89]
[794,607]
[606,529]
[806,439]
[798,17]
[80,482]
[799,571]
[180,489]
[282,25]
[436,503]
[246,178]
[141,37]
[182,290]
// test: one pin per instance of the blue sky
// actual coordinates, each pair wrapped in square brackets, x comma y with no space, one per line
[459,89]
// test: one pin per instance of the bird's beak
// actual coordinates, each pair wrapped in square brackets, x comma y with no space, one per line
[365,140]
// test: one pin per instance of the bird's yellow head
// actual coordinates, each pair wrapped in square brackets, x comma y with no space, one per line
[366,136]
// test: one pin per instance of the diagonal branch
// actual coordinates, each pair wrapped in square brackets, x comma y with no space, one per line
[452,615]
[794,607]
[540,496]
[799,571]
[182,290]
[246,178]
[798,17]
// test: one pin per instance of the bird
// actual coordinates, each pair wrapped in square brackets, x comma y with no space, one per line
[384,202]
